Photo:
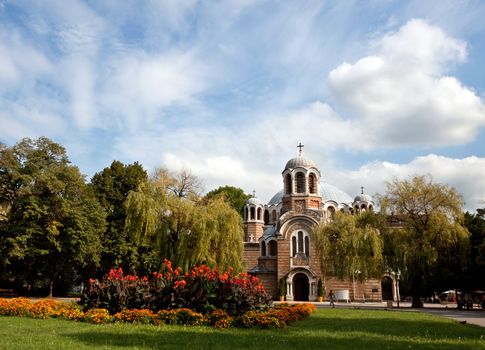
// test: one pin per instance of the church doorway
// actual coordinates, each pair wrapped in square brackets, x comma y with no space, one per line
[301,287]
[386,287]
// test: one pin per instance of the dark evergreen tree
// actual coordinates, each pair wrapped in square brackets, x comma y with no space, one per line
[112,186]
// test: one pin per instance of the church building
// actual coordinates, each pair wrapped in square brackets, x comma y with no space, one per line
[277,243]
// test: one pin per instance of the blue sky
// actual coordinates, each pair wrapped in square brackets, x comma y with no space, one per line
[374,89]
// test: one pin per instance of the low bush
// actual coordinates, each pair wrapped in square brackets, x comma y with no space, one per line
[275,317]
[201,289]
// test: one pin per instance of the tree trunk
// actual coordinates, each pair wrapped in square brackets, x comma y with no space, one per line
[417,303]
[51,288]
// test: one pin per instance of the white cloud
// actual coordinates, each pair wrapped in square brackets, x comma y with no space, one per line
[140,85]
[465,175]
[400,95]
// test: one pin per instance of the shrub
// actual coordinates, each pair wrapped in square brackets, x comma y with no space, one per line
[98,316]
[260,319]
[167,316]
[45,308]
[201,289]
[220,319]
[143,316]
[187,317]
[15,307]
[320,290]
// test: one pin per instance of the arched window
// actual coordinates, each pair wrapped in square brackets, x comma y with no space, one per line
[300,242]
[263,248]
[312,183]
[252,213]
[273,214]
[246,216]
[272,248]
[371,208]
[259,213]
[331,212]
[288,184]
[363,207]
[300,183]
[266,217]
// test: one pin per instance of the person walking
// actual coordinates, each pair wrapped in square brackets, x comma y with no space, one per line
[332,298]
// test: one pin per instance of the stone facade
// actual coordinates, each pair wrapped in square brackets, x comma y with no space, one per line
[277,235]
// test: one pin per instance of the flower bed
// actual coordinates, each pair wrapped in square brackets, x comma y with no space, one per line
[200,289]
[274,317]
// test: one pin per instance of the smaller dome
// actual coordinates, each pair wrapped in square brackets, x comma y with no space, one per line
[300,161]
[276,198]
[254,201]
[363,197]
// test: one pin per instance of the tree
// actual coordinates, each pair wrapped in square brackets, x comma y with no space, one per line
[432,225]
[112,186]
[234,195]
[50,233]
[186,231]
[474,274]
[348,247]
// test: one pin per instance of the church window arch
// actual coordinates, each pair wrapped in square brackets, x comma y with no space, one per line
[273,214]
[331,212]
[266,217]
[263,248]
[252,213]
[246,214]
[371,208]
[300,243]
[300,183]
[312,183]
[260,211]
[272,248]
[288,184]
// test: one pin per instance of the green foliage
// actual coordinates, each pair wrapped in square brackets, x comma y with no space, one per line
[186,231]
[431,233]
[112,186]
[320,290]
[50,233]
[201,289]
[347,250]
[282,287]
[474,275]
[234,195]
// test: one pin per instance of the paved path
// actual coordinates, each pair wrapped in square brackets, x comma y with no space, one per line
[475,316]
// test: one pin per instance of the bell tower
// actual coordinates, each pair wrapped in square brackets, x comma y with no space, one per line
[300,180]
[253,219]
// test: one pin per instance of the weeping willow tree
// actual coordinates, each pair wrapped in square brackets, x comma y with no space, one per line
[188,231]
[348,248]
[432,228]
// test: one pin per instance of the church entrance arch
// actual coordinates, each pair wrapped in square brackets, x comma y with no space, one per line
[386,287]
[301,287]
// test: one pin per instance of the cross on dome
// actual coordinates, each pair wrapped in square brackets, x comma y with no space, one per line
[361,189]
[300,146]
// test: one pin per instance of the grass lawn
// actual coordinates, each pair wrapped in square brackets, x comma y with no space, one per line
[326,329]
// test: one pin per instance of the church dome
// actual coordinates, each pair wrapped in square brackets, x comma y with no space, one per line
[300,161]
[276,199]
[331,193]
[254,201]
[363,198]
